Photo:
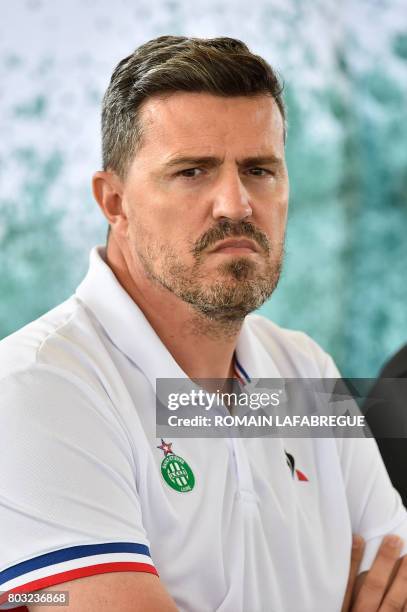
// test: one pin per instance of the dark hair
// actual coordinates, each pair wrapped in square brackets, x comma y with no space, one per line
[220,66]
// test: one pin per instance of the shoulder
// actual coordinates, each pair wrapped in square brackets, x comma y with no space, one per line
[66,340]
[294,352]
[52,384]
[26,346]
[55,365]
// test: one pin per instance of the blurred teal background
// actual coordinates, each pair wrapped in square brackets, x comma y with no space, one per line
[345,70]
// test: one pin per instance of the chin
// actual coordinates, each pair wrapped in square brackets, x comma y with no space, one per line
[239,268]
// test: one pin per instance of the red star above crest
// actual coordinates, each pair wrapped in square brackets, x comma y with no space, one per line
[166,447]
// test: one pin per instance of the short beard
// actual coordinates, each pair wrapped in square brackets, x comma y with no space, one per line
[226,301]
[223,301]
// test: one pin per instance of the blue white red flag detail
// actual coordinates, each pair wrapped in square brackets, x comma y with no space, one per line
[74,562]
[240,372]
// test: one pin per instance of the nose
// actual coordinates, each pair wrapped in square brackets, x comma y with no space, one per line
[230,198]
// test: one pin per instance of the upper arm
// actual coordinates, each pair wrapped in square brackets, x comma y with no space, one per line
[69,506]
[375,507]
[124,591]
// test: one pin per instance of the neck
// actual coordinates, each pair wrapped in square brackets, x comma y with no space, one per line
[203,348]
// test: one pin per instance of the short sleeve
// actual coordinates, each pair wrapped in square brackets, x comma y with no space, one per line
[375,507]
[69,507]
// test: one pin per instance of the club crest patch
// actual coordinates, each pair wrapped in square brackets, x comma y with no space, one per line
[175,470]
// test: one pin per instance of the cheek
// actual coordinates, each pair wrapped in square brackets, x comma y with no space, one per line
[281,213]
[159,233]
[275,219]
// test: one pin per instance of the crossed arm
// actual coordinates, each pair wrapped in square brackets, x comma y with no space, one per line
[382,589]
[124,591]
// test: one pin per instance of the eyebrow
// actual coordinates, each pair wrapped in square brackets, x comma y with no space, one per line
[210,161]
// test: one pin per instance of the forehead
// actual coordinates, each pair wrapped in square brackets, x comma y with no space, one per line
[204,122]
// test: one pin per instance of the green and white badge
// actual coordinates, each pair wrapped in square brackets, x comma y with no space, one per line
[175,470]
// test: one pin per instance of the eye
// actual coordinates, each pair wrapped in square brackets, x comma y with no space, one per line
[260,172]
[190,172]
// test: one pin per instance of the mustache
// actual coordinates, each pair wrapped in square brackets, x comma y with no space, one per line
[227,229]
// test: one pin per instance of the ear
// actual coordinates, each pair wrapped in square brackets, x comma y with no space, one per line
[108,192]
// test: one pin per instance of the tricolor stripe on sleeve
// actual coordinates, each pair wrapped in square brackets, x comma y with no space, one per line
[75,562]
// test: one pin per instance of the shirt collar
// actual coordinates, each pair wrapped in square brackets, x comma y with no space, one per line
[123,321]
[253,354]
[128,329]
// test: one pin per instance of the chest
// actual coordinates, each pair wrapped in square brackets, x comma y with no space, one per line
[263,521]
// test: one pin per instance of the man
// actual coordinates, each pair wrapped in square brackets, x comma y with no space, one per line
[195,190]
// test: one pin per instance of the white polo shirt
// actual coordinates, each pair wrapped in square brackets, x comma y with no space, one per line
[81,486]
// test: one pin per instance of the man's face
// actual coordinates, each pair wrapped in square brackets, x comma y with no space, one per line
[206,197]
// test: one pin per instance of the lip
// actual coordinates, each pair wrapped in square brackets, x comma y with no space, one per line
[235,245]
